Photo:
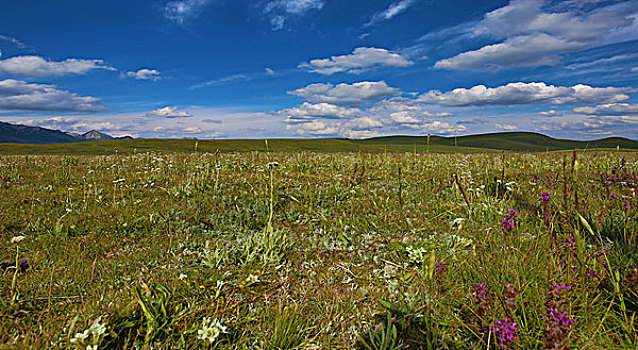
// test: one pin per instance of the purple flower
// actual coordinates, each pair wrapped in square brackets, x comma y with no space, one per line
[509,223]
[544,197]
[505,332]
[592,273]
[560,317]
[560,286]
[582,201]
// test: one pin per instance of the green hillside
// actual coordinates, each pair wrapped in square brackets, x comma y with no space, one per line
[517,141]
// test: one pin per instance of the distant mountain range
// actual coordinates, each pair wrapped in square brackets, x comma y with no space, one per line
[11,133]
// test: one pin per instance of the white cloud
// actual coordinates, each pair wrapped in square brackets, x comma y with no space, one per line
[348,94]
[14,41]
[521,51]
[360,60]
[103,126]
[505,126]
[551,112]
[181,10]
[145,74]
[168,112]
[394,9]
[308,111]
[18,95]
[524,93]
[531,37]
[294,6]
[236,78]
[405,117]
[280,9]
[609,109]
[36,66]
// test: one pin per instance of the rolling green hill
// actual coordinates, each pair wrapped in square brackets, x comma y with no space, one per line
[514,141]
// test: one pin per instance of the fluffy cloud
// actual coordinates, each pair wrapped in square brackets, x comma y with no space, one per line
[168,112]
[524,93]
[36,66]
[309,111]
[394,9]
[609,109]
[21,96]
[360,60]
[347,94]
[179,11]
[280,9]
[532,37]
[145,74]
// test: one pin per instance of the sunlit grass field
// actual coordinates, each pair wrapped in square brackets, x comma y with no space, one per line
[304,250]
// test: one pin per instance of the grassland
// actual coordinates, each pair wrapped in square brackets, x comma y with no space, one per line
[307,250]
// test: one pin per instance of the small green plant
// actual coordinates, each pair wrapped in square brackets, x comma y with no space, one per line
[382,337]
[290,329]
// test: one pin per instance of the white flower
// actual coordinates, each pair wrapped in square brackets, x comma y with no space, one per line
[182,277]
[17,239]
[91,347]
[252,278]
[211,329]
[80,337]
[416,255]
[97,329]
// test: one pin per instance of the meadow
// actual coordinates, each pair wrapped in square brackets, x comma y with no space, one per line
[303,250]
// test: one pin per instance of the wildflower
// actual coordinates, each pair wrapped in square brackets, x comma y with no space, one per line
[252,278]
[509,222]
[17,239]
[211,330]
[592,273]
[557,322]
[91,347]
[505,332]
[97,329]
[80,337]
[416,255]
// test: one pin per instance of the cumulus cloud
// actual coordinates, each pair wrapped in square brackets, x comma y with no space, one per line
[278,10]
[524,93]
[393,10]
[308,111]
[16,95]
[145,74]
[38,67]
[168,112]
[347,94]
[609,109]
[360,60]
[179,11]
[532,37]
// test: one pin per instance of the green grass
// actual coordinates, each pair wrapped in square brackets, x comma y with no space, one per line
[314,250]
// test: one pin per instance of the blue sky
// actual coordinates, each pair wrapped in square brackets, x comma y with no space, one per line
[321,68]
